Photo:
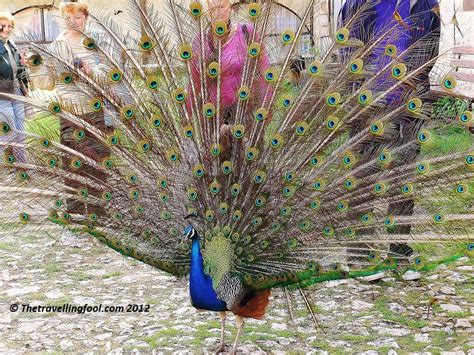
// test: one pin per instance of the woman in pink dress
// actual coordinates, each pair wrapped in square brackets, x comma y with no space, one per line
[233,58]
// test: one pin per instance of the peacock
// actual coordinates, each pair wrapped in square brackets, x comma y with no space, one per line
[209,144]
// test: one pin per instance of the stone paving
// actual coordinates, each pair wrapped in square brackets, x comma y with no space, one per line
[431,315]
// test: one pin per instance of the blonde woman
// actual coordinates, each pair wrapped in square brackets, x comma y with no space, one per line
[70,42]
[13,80]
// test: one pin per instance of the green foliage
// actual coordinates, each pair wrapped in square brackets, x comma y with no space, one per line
[381,305]
[449,107]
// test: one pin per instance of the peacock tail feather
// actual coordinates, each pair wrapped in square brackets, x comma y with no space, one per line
[290,183]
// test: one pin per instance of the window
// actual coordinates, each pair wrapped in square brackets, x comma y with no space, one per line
[40,23]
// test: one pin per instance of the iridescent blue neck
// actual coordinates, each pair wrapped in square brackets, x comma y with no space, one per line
[202,293]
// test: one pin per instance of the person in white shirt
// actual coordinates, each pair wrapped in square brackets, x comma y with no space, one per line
[71,43]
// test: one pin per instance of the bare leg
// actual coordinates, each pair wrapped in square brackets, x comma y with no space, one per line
[222,346]
[240,327]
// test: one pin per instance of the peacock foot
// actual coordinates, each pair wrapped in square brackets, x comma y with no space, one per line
[222,348]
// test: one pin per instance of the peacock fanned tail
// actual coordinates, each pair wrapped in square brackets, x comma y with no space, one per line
[290,182]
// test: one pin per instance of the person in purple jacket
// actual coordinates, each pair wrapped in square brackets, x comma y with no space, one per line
[418,21]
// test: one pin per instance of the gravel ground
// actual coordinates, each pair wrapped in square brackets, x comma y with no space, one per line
[431,315]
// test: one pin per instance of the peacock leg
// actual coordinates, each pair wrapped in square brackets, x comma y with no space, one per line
[240,327]
[222,346]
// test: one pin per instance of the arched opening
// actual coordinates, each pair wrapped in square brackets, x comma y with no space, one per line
[283,19]
[38,22]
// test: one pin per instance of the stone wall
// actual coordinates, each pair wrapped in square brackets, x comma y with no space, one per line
[325,12]
[455,36]
[320,17]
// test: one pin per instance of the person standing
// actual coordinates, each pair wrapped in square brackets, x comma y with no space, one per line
[71,40]
[13,80]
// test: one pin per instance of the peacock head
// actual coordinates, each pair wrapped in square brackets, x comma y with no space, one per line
[190,232]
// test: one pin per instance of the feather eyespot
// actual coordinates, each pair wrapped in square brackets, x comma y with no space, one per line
[188,131]
[35,60]
[238,131]
[254,11]
[356,66]
[214,187]
[350,183]
[342,206]
[53,162]
[260,201]
[223,208]
[270,75]
[156,121]
[469,160]
[215,149]
[399,71]
[254,49]
[251,153]
[390,50]
[315,161]
[414,105]
[424,137]
[377,128]
[10,159]
[422,168]
[213,69]
[287,101]
[89,43]
[328,231]
[315,68]
[260,114]
[128,112]
[365,97]
[342,36]
[179,95]
[449,83]
[302,128]
[192,194]
[259,177]
[285,211]
[407,189]
[195,9]
[243,93]
[237,215]
[152,82]
[288,36]
[333,99]
[276,141]
[79,134]
[146,43]
[185,52]
[462,189]
[220,28]
[209,110]
[235,189]
[332,123]
[319,185]
[95,104]
[226,167]
[54,107]
[66,78]
[315,204]
[5,127]
[289,191]
[349,232]
[115,75]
